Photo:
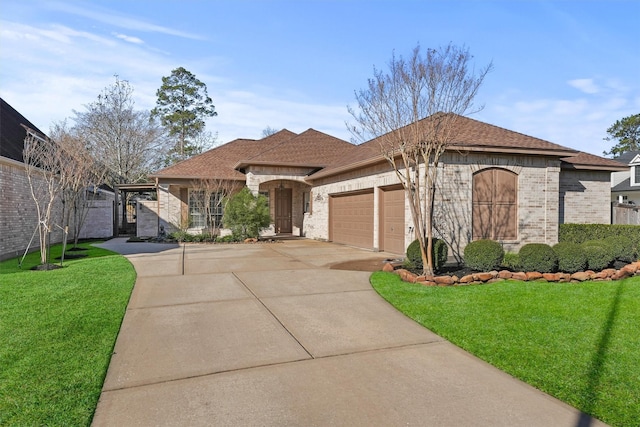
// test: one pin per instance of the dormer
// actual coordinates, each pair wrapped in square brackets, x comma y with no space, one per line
[635,171]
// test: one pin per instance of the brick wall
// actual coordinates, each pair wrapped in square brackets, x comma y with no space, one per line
[585,197]
[18,217]
[538,204]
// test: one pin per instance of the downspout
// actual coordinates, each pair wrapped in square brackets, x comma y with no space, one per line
[157,208]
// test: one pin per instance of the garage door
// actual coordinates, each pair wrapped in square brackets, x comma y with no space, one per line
[351,219]
[392,222]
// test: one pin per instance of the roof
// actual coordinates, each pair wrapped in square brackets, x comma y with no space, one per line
[469,135]
[627,157]
[625,186]
[592,162]
[12,134]
[215,163]
[311,148]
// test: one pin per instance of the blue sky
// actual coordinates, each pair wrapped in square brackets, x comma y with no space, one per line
[563,71]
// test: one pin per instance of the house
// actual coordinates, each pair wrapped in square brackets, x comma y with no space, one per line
[493,183]
[18,216]
[625,185]
[625,190]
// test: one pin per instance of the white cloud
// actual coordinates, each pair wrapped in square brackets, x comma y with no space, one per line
[585,85]
[130,39]
[109,17]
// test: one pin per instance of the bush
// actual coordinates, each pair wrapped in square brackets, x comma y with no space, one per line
[230,238]
[483,255]
[599,254]
[623,248]
[511,261]
[180,236]
[538,257]
[571,257]
[439,250]
[579,233]
[246,214]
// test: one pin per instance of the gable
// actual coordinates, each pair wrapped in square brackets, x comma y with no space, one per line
[12,134]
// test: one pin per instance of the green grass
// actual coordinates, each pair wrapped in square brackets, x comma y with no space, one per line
[577,342]
[57,332]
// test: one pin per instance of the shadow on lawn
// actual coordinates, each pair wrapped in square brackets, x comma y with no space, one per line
[590,393]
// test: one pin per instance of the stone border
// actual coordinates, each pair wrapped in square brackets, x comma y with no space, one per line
[608,274]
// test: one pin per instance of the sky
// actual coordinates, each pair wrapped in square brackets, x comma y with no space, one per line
[563,70]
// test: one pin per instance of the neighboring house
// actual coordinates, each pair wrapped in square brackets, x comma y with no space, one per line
[625,190]
[494,183]
[18,217]
[625,185]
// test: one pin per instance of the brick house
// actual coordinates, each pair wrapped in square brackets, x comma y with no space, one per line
[18,217]
[493,183]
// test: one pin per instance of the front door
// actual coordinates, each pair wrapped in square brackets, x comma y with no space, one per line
[283,210]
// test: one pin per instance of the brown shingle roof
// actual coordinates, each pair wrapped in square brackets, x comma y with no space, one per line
[219,162]
[310,148]
[590,161]
[469,135]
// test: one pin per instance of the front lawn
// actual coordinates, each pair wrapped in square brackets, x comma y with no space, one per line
[57,332]
[577,342]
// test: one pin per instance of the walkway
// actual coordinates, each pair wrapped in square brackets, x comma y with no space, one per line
[267,335]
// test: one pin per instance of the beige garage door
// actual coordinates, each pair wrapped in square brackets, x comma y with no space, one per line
[351,219]
[392,221]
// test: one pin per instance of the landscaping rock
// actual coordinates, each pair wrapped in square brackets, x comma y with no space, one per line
[444,280]
[484,277]
[505,274]
[581,276]
[466,279]
[551,277]
[388,267]
[427,283]
[533,275]
[519,276]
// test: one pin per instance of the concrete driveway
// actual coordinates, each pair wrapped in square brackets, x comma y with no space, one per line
[267,335]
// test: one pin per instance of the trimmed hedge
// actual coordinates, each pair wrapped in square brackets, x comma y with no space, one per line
[579,233]
[600,254]
[483,255]
[623,248]
[511,261]
[439,250]
[538,257]
[571,257]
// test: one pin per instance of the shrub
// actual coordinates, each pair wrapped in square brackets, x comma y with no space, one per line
[511,261]
[571,257]
[483,255]
[599,254]
[623,248]
[538,257]
[439,250]
[579,233]
[230,238]
[180,236]
[246,214]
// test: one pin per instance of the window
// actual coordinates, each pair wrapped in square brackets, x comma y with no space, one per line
[266,195]
[495,198]
[306,202]
[636,174]
[202,215]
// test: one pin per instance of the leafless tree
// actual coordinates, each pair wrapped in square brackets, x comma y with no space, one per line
[212,194]
[411,111]
[268,131]
[126,140]
[80,176]
[43,163]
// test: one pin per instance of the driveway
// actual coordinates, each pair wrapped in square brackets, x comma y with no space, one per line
[268,335]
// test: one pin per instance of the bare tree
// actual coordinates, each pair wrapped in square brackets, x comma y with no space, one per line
[412,110]
[128,141]
[268,131]
[212,193]
[42,162]
[80,176]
